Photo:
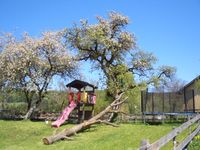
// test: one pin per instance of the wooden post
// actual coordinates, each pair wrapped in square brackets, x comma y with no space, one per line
[79,111]
[193,99]
[170,103]
[145,105]
[146,99]
[185,100]
[83,113]
[144,144]
[174,143]
[152,102]
[163,106]
[92,110]
[142,103]
[163,109]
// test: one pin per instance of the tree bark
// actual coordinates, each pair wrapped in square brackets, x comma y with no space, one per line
[29,113]
[114,114]
[71,131]
[32,109]
[29,99]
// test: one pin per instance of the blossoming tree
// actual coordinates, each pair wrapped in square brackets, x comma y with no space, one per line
[31,63]
[113,50]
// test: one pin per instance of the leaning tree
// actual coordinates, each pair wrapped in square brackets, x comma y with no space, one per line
[30,64]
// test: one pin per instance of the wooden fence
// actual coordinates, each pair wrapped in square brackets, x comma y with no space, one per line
[145,145]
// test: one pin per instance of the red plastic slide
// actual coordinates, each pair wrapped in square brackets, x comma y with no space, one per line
[65,114]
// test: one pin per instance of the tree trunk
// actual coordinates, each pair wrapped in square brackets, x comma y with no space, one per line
[29,98]
[32,109]
[28,106]
[29,113]
[114,115]
[71,131]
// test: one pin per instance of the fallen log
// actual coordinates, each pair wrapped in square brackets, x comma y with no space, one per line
[80,127]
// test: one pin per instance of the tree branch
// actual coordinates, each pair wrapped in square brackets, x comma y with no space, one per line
[121,102]
[108,123]
[117,111]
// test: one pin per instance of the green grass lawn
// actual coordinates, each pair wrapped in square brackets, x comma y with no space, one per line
[27,135]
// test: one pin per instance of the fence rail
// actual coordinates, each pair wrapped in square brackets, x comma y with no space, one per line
[145,145]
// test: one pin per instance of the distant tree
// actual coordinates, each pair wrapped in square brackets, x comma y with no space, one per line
[30,64]
[3,41]
[113,50]
[173,85]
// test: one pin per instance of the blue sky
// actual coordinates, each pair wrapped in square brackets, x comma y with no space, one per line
[168,28]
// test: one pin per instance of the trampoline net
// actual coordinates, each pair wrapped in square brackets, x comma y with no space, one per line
[154,102]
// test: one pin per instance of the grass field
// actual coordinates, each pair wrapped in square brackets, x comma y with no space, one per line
[23,135]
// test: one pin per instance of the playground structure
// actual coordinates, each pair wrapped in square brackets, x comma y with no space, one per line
[82,99]
[184,102]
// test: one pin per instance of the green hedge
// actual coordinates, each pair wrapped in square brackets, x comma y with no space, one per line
[56,101]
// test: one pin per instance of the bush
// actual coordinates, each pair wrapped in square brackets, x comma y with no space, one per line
[16,109]
[102,101]
[55,101]
[195,144]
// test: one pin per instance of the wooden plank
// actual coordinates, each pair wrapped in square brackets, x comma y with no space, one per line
[165,139]
[187,140]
